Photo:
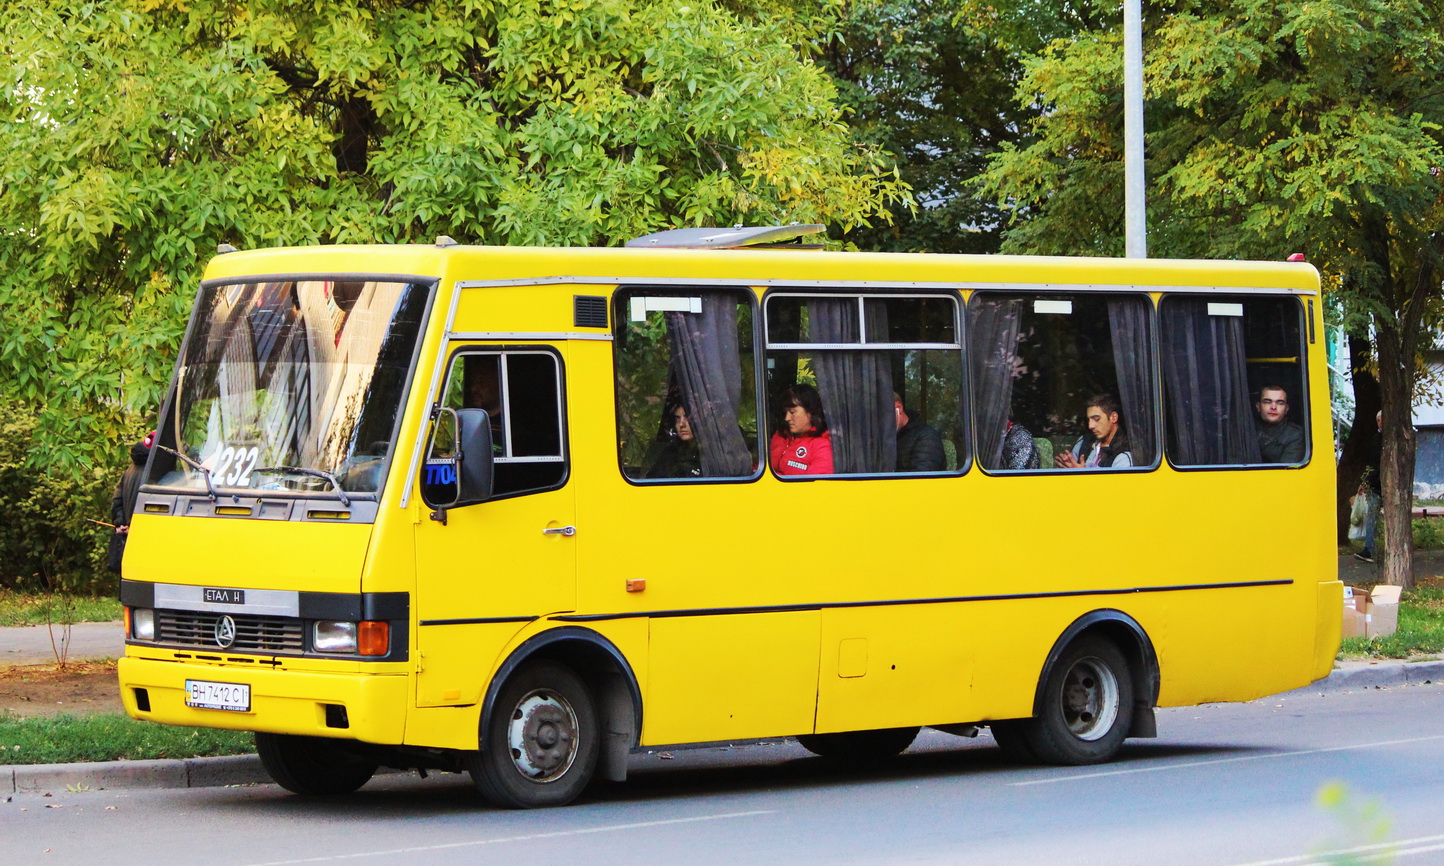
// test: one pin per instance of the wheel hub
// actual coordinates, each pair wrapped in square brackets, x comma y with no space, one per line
[542,736]
[1090,699]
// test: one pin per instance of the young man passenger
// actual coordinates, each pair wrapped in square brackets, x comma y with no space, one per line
[1106,445]
[1279,439]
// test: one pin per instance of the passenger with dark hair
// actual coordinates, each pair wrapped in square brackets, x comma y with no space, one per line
[802,444]
[919,447]
[1106,445]
[679,457]
[1279,439]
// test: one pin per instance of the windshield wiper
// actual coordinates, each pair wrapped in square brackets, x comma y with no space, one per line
[205,473]
[297,470]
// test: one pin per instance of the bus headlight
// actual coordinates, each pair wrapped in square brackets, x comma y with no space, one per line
[351,638]
[142,623]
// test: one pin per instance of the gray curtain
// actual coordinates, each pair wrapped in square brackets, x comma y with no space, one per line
[993,349]
[1210,420]
[855,386]
[708,371]
[1128,327]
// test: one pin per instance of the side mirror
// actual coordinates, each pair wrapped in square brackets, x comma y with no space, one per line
[458,465]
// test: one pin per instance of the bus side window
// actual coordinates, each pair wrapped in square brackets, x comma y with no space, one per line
[521,392]
[1038,363]
[1233,380]
[882,373]
[686,385]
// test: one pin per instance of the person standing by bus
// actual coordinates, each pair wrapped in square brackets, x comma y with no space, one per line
[803,445]
[1106,445]
[122,502]
[1279,439]
[1372,489]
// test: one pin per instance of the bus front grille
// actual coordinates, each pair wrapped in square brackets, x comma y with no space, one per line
[253,633]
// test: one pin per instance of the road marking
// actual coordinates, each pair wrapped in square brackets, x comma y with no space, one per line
[559,834]
[1190,764]
[1377,851]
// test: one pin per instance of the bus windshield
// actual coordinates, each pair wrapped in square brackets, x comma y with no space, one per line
[290,386]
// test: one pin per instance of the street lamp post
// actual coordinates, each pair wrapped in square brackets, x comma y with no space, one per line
[1135,222]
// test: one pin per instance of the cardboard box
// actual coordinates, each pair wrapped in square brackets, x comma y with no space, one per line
[1372,613]
[1353,617]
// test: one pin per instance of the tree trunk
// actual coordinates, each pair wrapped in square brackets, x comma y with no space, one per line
[1355,453]
[1396,384]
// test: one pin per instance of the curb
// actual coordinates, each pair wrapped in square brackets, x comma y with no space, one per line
[165,773]
[1359,676]
[247,769]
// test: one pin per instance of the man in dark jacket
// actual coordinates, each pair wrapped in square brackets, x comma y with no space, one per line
[122,502]
[919,447]
[1279,439]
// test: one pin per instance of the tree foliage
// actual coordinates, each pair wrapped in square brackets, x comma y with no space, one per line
[151,130]
[1273,127]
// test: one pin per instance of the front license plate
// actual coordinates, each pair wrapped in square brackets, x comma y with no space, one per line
[207,695]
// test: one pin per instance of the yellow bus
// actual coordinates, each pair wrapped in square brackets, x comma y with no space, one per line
[518,511]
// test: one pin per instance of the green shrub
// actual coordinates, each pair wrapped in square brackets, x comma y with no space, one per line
[1429,533]
[46,542]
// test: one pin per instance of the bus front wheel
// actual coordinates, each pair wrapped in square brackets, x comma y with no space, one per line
[540,745]
[313,766]
[1084,711]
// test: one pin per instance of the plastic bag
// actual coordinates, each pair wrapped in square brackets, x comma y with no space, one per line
[1357,512]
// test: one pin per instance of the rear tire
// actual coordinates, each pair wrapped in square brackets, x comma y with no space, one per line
[860,745]
[540,746]
[1086,708]
[313,766]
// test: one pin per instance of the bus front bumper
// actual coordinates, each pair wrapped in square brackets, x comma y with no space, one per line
[280,701]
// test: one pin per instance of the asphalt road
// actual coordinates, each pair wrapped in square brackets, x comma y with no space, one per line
[1225,784]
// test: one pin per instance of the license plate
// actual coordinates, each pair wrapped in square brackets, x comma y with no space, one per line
[207,695]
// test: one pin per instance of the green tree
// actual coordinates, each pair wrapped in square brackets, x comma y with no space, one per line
[931,81]
[1273,127]
[140,133]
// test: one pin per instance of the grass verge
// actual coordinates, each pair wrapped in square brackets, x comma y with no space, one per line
[66,739]
[1421,627]
[24,608]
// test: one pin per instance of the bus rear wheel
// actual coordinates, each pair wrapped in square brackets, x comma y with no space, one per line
[859,745]
[540,745]
[1086,708]
[313,766]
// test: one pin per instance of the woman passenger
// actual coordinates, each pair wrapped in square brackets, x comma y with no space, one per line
[803,444]
[680,457]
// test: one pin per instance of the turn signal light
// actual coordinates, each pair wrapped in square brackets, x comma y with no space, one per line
[373,638]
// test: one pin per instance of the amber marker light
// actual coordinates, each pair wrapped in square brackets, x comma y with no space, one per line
[373,638]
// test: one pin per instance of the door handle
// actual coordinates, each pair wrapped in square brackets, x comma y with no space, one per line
[568,531]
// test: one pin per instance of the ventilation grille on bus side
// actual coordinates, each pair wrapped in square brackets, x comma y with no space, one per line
[589,311]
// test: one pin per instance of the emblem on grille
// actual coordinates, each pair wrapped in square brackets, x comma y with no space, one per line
[225,632]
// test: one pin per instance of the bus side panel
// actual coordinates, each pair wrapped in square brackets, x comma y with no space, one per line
[456,727]
[1237,644]
[731,677]
[457,661]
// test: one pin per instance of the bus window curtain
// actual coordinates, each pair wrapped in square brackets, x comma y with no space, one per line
[708,371]
[1210,421]
[993,346]
[855,387]
[1128,328]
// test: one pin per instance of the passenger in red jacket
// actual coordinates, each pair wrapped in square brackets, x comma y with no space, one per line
[804,445]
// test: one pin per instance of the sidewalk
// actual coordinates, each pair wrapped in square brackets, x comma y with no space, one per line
[246,769]
[32,645]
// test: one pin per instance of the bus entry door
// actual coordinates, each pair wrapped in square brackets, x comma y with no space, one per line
[497,565]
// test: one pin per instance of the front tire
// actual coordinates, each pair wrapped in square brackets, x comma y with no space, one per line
[860,745]
[1086,709]
[540,746]
[313,766]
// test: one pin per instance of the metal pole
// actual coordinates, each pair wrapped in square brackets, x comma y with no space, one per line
[1135,220]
